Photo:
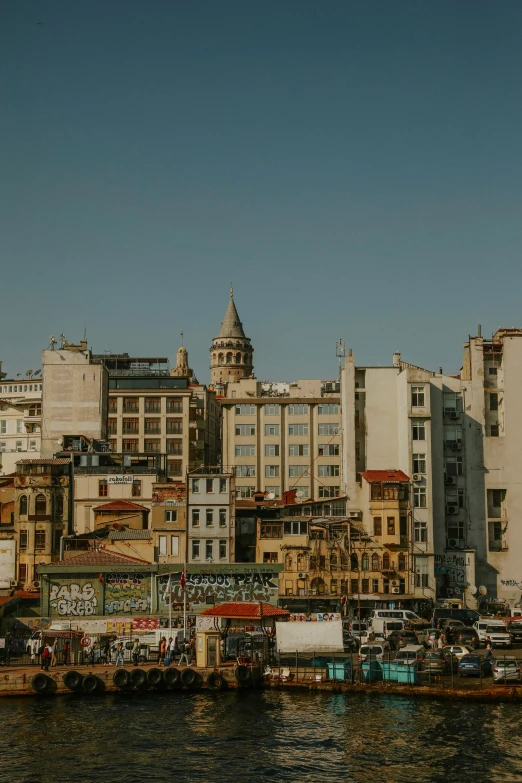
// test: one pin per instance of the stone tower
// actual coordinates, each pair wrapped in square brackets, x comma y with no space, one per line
[182,369]
[231,352]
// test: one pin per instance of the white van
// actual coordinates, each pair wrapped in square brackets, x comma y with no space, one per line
[386,626]
[392,614]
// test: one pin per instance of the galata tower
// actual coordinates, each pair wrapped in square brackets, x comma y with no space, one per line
[231,353]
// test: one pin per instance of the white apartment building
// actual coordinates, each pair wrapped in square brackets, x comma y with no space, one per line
[283,436]
[20,419]
[211,516]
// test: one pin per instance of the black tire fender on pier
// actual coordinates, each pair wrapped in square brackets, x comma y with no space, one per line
[155,678]
[216,682]
[243,675]
[138,678]
[121,679]
[171,677]
[91,684]
[42,683]
[73,680]
[188,678]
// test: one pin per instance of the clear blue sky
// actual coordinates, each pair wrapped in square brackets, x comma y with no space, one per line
[353,167]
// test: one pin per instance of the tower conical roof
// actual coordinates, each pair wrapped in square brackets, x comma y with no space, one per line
[231,326]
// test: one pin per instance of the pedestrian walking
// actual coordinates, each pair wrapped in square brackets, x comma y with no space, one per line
[107,651]
[136,652]
[120,655]
[35,644]
[162,654]
[65,653]
[183,658]
[53,648]
[192,649]
[171,649]
[92,653]
[46,657]
[440,643]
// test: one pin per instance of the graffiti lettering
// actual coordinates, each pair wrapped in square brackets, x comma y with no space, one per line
[511,583]
[127,593]
[224,586]
[73,599]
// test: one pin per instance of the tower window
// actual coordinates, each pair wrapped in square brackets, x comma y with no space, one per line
[238,358]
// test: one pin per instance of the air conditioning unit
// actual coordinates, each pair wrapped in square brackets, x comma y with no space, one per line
[416,477]
[354,514]
[451,509]
[453,415]
[394,582]
[13,583]
[36,584]
[303,576]
[455,543]
[450,480]
[456,445]
[395,590]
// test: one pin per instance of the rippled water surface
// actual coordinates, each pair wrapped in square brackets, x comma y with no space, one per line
[256,736]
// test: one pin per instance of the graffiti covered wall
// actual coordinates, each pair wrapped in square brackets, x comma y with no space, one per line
[229,583]
[74,597]
[127,593]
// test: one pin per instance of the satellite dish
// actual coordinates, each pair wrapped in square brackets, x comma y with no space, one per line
[482,590]
[60,441]
[28,373]
[472,589]
[270,496]
[299,493]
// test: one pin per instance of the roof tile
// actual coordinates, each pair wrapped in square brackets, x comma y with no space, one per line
[99,558]
[120,505]
[378,476]
[250,610]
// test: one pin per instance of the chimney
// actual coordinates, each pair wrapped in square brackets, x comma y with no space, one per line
[396,359]
[479,333]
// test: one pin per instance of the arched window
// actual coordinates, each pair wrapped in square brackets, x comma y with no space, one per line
[238,358]
[229,358]
[221,359]
[317,586]
[375,562]
[333,560]
[214,356]
[365,562]
[354,563]
[386,561]
[301,562]
[288,563]
[22,505]
[40,506]
[402,561]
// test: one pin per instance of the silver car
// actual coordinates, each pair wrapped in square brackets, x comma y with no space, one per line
[506,669]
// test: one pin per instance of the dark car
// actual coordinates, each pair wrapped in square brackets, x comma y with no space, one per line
[438,662]
[515,629]
[399,639]
[467,636]
[474,666]
[350,643]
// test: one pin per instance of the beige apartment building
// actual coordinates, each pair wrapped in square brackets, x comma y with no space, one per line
[20,418]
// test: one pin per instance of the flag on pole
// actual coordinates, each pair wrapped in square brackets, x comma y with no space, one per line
[182,580]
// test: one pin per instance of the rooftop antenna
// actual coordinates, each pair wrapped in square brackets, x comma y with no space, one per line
[52,342]
[340,351]
[181,339]
[85,332]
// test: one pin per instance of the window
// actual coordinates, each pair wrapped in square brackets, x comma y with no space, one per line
[174,405]
[452,402]
[365,586]
[130,425]
[209,550]
[23,539]
[419,497]
[377,526]
[195,550]
[421,572]
[223,549]
[246,451]
[269,557]
[274,490]
[419,463]
[354,562]
[209,483]
[223,489]
[245,410]
[113,426]
[272,471]
[327,429]
[452,435]
[162,546]
[328,492]
[493,402]
[329,409]
[375,585]
[453,466]
[3,427]
[375,562]
[22,572]
[327,470]
[246,429]
[298,429]
[113,405]
[40,505]
[296,471]
[195,517]
[245,470]
[417,396]
[174,546]
[171,515]
[174,446]
[272,409]
[152,426]
[354,585]
[131,405]
[3,445]
[152,445]
[243,493]
[494,431]
[22,505]
[174,426]
[271,429]
[418,430]
[496,498]
[19,426]
[272,450]
[390,526]
[130,444]
[195,485]
[365,562]
[40,539]
[152,404]
[19,445]
[401,561]
[210,517]
[421,532]
[136,488]
[330,450]
[299,409]
[174,467]
[222,517]
[296,528]
[403,526]
[333,586]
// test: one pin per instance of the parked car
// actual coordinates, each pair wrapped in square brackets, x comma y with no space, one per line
[400,639]
[514,628]
[448,623]
[358,629]
[350,643]
[494,626]
[372,637]
[467,636]
[499,636]
[374,652]
[413,653]
[457,650]
[474,665]
[505,669]
[439,662]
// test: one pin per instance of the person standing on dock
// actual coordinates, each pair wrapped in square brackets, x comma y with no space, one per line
[46,657]
[136,652]
[162,650]
[65,653]
[119,655]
